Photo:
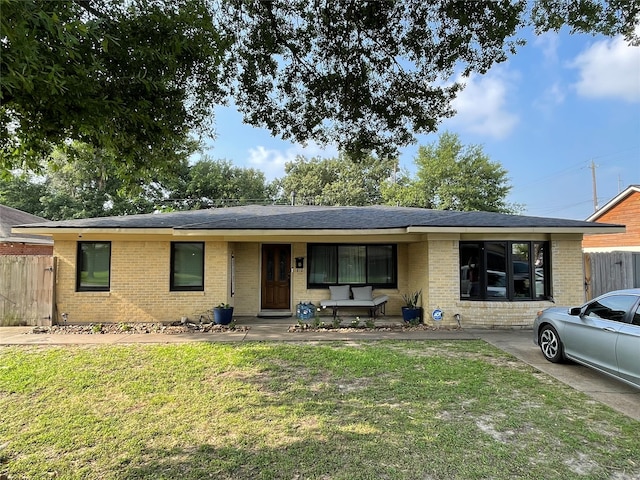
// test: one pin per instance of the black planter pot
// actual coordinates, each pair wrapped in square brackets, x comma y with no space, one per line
[411,313]
[222,316]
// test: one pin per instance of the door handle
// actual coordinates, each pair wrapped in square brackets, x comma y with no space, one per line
[609,329]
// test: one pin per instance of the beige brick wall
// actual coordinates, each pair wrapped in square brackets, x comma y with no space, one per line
[247,278]
[443,291]
[140,284]
[444,288]
[568,270]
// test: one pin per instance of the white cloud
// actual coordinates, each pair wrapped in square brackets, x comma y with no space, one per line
[548,42]
[482,105]
[271,161]
[609,69]
[550,97]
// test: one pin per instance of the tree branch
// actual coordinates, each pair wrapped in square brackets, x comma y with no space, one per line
[86,5]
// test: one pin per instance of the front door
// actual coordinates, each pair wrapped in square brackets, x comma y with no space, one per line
[276,277]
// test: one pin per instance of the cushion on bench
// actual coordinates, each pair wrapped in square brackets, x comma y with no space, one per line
[374,302]
[362,293]
[340,292]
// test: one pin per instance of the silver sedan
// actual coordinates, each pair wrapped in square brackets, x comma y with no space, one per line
[603,334]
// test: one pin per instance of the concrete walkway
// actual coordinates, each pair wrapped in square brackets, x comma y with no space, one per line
[519,343]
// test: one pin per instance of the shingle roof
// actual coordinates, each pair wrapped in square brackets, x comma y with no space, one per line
[10,217]
[277,217]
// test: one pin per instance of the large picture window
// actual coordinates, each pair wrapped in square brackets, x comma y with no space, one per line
[93,267]
[374,265]
[502,270]
[187,266]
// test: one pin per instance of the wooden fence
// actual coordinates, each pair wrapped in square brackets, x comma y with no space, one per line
[611,271]
[27,289]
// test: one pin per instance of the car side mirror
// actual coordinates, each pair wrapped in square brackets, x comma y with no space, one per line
[575,311]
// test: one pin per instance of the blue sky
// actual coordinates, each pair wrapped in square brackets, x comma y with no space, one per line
[560,104]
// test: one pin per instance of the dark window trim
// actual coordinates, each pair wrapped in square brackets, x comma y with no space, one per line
[80,266]
[187,288]
[510,296]
[394,250]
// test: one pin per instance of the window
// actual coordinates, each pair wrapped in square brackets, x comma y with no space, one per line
[614,307]
[187,266]
[502,270]
[93,267]
[374,265]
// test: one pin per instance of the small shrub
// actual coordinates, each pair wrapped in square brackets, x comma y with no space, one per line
[96,328]
[369,323]
[355,323]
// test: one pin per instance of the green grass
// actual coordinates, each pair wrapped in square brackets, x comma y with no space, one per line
[371,410]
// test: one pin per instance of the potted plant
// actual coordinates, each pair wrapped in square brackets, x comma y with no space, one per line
[411,312]
[223,314]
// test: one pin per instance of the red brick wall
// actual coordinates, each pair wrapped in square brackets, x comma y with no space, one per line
[627,213]
[22,249]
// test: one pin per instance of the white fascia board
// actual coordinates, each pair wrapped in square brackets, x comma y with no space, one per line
[612,203]
[290,233]
[631,248]
[92,231]
[510,230]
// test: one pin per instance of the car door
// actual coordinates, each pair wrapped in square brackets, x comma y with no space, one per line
[592,337]
[628,349]
[591,340]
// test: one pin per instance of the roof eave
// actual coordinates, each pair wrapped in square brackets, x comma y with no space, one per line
[281,232]
[590,230]
[88,230]
[613,202]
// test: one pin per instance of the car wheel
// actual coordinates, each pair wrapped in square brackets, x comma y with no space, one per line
[550,344]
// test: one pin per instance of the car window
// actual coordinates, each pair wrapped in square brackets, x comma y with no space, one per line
[636,317]
[614,307]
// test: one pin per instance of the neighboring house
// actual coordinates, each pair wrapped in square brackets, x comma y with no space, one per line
[623,209]
[21,244]
[612,261]
[487,269]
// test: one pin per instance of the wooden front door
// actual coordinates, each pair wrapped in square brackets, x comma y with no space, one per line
[276,277]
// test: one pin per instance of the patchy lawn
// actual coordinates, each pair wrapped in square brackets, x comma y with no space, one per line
[359,410]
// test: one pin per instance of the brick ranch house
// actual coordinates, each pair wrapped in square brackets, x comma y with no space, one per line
[492,270]
[21,244]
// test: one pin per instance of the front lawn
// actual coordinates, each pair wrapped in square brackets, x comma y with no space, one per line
[366,410]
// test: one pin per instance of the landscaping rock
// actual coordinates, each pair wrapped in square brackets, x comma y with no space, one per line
[137,328]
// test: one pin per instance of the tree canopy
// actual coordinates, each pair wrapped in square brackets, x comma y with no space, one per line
[214,183]
[334,181]
[137,77]
[452,176]
[81,182]
[132,77]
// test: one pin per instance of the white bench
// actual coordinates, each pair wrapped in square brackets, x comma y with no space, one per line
[341,298]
